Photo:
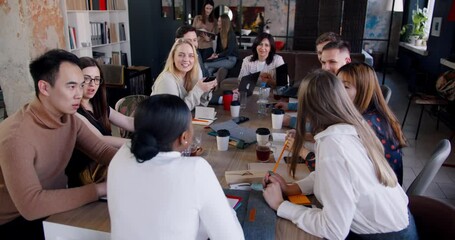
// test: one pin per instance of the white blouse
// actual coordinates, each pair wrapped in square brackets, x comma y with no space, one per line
[249,67]
[345,183]
[167,197]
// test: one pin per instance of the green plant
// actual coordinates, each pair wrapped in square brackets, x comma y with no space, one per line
[419,18]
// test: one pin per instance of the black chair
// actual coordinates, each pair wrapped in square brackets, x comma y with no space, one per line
[424,100]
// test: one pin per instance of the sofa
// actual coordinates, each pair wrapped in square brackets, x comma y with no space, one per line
[300,63]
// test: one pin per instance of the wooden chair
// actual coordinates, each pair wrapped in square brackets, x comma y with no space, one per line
[126,106]
[424,100]
[423,180]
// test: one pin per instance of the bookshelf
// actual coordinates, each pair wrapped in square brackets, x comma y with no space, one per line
[98,29]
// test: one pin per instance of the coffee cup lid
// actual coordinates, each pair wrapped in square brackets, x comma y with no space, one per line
[277,111]
[223,133]
[263,131]
[235,103]
[228,92]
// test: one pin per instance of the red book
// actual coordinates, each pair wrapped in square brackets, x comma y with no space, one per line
[103,5]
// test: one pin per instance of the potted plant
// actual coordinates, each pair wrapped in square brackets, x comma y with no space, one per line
[414,31]
[419,18]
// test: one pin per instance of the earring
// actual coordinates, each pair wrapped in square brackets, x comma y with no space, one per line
[185,142]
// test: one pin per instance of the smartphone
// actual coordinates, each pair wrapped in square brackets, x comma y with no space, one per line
[240,119]
[209,79]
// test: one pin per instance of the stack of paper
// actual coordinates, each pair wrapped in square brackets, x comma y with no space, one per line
[204,116]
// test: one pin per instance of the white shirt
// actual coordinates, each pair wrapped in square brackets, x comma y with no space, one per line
[345,184]
[171,84]
[167,197]
[249,67]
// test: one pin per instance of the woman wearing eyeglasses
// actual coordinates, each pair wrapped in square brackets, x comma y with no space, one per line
[98,116]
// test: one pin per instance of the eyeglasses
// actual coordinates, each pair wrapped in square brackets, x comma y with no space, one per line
[96,80]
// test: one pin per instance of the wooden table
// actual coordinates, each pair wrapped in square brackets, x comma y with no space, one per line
[92,221]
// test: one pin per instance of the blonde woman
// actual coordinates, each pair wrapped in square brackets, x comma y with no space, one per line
[353,181]
[362,86]
[226,47]
[180,76]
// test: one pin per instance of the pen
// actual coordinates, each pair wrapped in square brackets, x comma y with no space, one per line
[279,158]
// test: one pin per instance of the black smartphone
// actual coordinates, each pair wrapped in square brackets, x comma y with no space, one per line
[240,119]
[209,79]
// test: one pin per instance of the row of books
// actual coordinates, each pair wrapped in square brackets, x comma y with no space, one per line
[72,37]
[105,33]
[117,58]
[95,4]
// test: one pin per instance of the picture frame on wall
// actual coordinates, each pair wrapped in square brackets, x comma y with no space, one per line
[167,8]
[436,26]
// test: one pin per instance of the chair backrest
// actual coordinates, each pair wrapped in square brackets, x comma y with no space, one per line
[113,74]
[434,219]
[423,180]
[386,92]
[126,106]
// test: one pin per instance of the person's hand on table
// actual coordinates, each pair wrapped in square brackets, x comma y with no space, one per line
[286,120]
[272,195]
[266,77]
[282,105]
[287,189]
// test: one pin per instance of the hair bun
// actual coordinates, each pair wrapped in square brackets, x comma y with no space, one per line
[143,146]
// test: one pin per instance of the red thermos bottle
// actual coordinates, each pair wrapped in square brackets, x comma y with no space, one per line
[227,99]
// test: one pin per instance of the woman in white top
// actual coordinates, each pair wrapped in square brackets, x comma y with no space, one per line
[154,192]
[353,181]
[264,59]
[180,76]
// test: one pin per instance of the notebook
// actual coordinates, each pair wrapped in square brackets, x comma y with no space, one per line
[248,83]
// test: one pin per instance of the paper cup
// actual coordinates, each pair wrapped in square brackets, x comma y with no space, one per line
[277,118]
[235,109]
[222,139]
[262,136]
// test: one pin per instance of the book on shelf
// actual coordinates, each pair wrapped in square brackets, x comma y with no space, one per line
[116,58]
[124,59]
[116,5]
[122,33]
[113,33]
[76,5]
[72,37]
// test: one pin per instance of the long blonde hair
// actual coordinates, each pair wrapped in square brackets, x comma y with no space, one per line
[170,66]
[225,29]
[369,96]
[324,102]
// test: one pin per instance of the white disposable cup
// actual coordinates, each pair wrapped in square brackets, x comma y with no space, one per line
[262,139]
[277,121]
[222,143]
[235,110]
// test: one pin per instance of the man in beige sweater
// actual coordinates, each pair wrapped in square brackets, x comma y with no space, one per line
[36,144]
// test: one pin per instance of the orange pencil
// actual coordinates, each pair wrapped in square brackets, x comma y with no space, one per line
[281,155]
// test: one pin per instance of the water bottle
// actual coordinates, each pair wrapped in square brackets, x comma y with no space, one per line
[263,99]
